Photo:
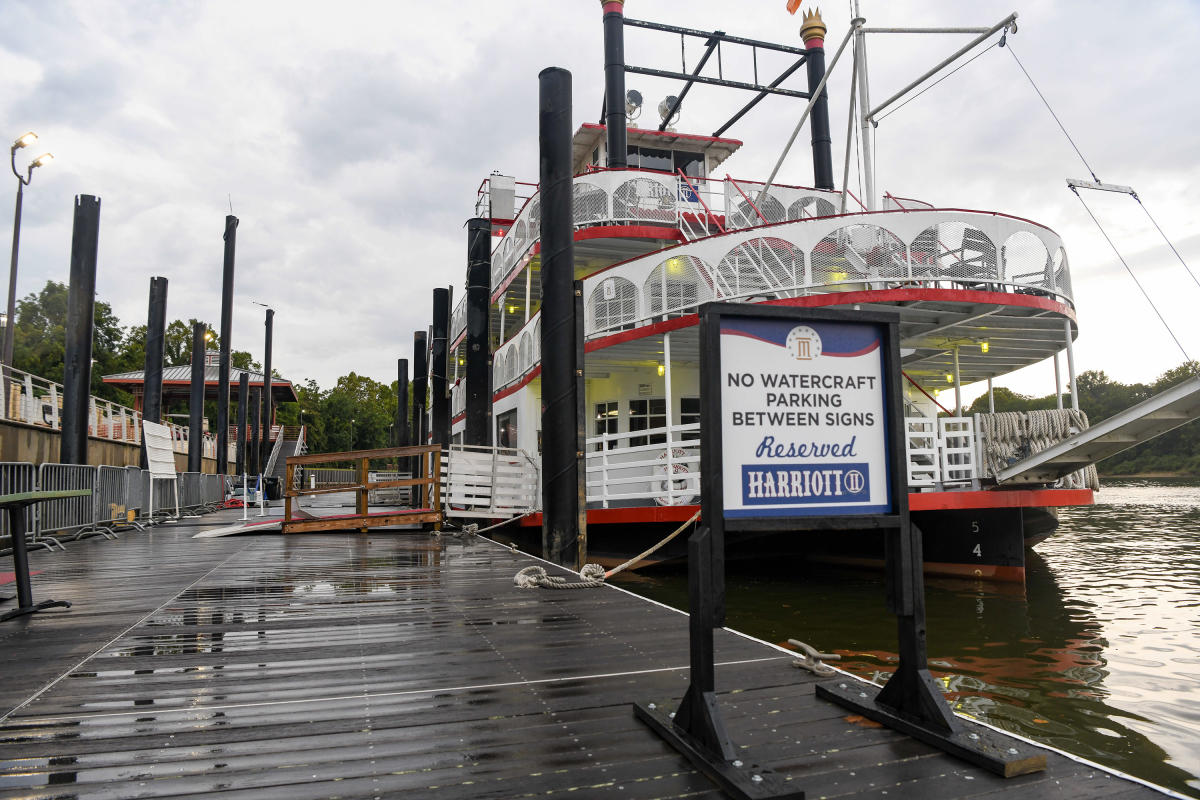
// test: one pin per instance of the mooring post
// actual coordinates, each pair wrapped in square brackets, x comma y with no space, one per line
[478,430]
[401,424]
[243,401]
[156,326]
[813,34]
[560,469]
[267,405]
[420,380]
[255,431]
[81,304]
[614,83]
[440,425]
[231,223]
[196,401]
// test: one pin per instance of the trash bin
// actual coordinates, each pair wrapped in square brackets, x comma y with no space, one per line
[273,487]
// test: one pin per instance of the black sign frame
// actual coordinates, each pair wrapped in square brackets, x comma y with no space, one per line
[911,700]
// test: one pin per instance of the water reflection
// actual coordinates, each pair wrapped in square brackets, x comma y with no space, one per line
[1098,655]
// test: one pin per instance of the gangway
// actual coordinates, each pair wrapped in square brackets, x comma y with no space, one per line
[488,482]
[1161,413]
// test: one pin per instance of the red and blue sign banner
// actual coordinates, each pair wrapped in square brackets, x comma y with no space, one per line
[804,429]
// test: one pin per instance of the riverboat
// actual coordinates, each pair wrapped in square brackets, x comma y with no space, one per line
[661,226]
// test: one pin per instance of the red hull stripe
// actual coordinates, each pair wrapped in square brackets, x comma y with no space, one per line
[917,501]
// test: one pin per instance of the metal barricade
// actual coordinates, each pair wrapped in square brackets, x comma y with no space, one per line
[191,490]
[75,516]
[109,499]
[136,488]
[214,490]
[16,477]
[166,494]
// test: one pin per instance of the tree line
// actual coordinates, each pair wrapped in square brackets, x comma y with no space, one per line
[356,414]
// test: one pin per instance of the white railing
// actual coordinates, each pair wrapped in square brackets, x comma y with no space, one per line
[942,452]
[489,481]
[32,400]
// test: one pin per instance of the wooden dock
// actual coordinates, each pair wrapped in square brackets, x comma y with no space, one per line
[351,665]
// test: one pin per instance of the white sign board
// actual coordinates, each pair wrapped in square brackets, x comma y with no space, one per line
[160,455]
[804,425]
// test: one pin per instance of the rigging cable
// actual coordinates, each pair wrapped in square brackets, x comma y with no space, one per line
[1165,239]
[1186,357]
[1061,127]
[999,42]
[1104,233]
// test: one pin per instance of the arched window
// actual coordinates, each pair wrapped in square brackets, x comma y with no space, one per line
[1024,260]
[766,265]
[526,353]
[589,203]
[644,200]
[612,304]
[769,209]
[956,251]
[810,208]
[857,253]
[677,286]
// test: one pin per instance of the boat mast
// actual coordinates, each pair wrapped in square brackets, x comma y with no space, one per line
[864,105]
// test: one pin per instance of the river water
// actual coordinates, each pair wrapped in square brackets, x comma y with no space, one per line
[1099,655]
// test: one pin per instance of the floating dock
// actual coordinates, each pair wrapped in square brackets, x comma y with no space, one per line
[350,665]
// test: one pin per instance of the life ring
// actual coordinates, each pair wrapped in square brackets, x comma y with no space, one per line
[665,485]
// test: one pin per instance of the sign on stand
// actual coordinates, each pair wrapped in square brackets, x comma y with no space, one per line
[802,429]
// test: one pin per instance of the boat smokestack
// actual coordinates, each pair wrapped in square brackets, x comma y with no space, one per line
[614,82]
[401,436]
[440,425]
[267,415]
[479,288]
[560,449]
[243,404]
[813,34]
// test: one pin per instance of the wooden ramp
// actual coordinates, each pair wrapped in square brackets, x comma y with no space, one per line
[1164,412]
[343,665]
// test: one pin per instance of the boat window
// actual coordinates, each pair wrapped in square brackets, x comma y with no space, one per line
[651,158]
[644,415]
[692,164]
[506,429]
[689,414]
[606,422]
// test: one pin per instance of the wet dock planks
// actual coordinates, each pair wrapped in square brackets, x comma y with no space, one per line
[349,665]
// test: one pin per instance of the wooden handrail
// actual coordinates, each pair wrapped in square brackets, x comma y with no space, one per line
[354,455]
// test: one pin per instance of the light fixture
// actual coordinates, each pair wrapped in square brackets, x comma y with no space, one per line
[949,377]
[25,140]
[633,104]
[664,108]
[42,160]
[662,370]
[983,346]
[512,309]
[674,266]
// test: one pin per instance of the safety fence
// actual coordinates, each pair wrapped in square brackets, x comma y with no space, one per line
[119,499]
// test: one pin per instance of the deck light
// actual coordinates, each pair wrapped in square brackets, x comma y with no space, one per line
[661,370]
[949,377]
[983,346]
[633,104]
[25,140]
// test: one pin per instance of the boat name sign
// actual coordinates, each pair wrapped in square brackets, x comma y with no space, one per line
[803,420]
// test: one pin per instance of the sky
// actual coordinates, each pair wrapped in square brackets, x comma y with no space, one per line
[350,141]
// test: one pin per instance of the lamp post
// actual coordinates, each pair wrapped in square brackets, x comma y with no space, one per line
[22,182]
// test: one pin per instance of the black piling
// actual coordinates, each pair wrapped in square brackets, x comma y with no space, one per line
[254,464]
[614,85]
[81,303]
[420,380]
[231,223]
[560,470]
[439,400]
[243,400]
[401,436]
[478,429]
[196,402]
[156,326]
[819,120]
[267,405]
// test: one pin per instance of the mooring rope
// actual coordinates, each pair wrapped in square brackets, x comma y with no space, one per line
[592,575]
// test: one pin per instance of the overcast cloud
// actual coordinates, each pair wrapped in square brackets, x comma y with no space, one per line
[351,138]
